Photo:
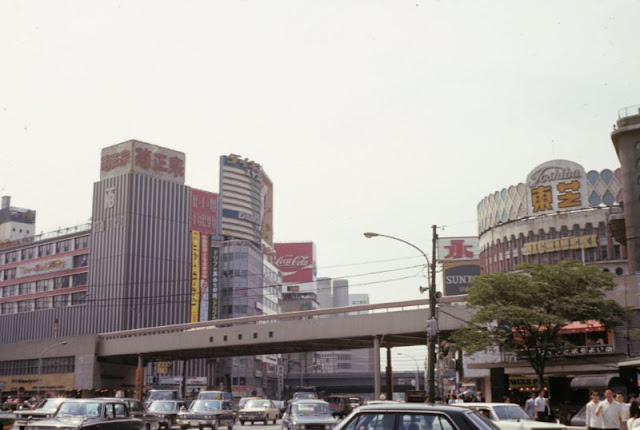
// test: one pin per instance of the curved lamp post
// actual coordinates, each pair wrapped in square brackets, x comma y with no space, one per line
[55,345]
[432,322]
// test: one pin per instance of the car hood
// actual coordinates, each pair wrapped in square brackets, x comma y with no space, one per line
[314,419]
[61,422]
[255,409]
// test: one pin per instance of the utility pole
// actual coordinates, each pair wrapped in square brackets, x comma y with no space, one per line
[433,321]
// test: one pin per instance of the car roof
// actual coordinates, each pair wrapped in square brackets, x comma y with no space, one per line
[410,407]
[302,401]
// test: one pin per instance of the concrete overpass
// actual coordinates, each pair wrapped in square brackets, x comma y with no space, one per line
[386,325]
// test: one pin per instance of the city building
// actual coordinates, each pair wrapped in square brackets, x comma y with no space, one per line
[561,211]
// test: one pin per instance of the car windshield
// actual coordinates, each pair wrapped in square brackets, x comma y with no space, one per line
[79,409]
[257,404]
[50,405]
[161,406]
[206,405]
[510,412]
[308,409]
[480,421]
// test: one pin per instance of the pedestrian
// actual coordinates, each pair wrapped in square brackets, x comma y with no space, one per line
[609,410]
[634,414]
[529,405]
[593,421]
[625,412]
[540,407]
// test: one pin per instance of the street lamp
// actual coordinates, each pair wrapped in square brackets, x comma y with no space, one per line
[40,362]
[417,369]
[432,322]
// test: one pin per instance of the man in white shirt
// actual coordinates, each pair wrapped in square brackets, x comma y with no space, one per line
[593,421]
[624,410]
[540,404]
[609,410]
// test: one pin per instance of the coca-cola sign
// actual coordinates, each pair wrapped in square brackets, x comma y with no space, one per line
[296,261]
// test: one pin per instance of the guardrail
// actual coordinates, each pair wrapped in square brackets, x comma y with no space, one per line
[264,319]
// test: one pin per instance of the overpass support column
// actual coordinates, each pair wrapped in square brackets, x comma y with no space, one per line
[139,377]
[376,367]
[389,376]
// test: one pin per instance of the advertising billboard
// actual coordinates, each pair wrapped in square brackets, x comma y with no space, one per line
[296,261]
[458,277]
[451,249]
[195,276]
[204,212]
[134,156]
[554,186]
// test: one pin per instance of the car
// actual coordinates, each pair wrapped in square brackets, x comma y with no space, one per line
[510,416]
[308,414]
[243,401]
[89,414]
[166,411]
[262,410]
[580,418]
[137,409]
[281,405]
[414,416]
[207,413]
[45,409]
[158,394]
[213,395]
[340,406]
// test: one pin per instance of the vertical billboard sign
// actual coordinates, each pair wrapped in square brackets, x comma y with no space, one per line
[558,185]
[204,278]
[296,261]
[460,263]
[195,276]
[458,277]
[215,283]
[204,212]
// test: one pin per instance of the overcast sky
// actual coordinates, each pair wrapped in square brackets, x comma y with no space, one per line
[385,116]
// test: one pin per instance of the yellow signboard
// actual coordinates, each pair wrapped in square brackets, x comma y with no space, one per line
[195,276]
[54,382]
[560,244]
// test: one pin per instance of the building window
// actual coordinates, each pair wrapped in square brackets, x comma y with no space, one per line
[28,253]
[61,301]
[10,291]
[26,305]
[81,242]
[10,274]
[27,288]
[81,260]
[43,303]
[78,298]
[63,246]
[79,279]
[61,282]
[44,250]
[44,285]
[9,308]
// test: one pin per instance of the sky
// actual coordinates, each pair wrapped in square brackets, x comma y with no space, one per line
[384,116]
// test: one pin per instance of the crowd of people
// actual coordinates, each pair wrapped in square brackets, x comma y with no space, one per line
[12,403]
[613,412]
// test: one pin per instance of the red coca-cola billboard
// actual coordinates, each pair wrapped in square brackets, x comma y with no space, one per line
[296,261]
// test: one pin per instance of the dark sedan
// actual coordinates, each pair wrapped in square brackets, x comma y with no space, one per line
[166,411]
[212,414]
[414,416]
[89,414]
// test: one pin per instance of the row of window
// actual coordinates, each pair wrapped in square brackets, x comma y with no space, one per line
[78,261]
[44,285]
[30,366]
[50,302]
[46,249]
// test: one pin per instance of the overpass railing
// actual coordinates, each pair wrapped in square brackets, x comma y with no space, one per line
[273,318]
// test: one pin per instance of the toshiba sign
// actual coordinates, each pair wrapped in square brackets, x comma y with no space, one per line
[296,261]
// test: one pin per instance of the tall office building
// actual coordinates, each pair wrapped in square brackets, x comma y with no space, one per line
[140,241]
[626,139]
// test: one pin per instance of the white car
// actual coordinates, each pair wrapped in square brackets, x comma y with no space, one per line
[510,416]
[262,410]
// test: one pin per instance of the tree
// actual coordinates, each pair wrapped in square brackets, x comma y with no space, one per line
[524,311]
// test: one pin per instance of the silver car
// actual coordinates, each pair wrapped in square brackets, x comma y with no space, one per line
[308,414]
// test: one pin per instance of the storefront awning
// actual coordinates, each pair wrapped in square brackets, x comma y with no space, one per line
[593,381]
[582,327]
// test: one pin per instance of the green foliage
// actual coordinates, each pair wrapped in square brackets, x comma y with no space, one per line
[524,311]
